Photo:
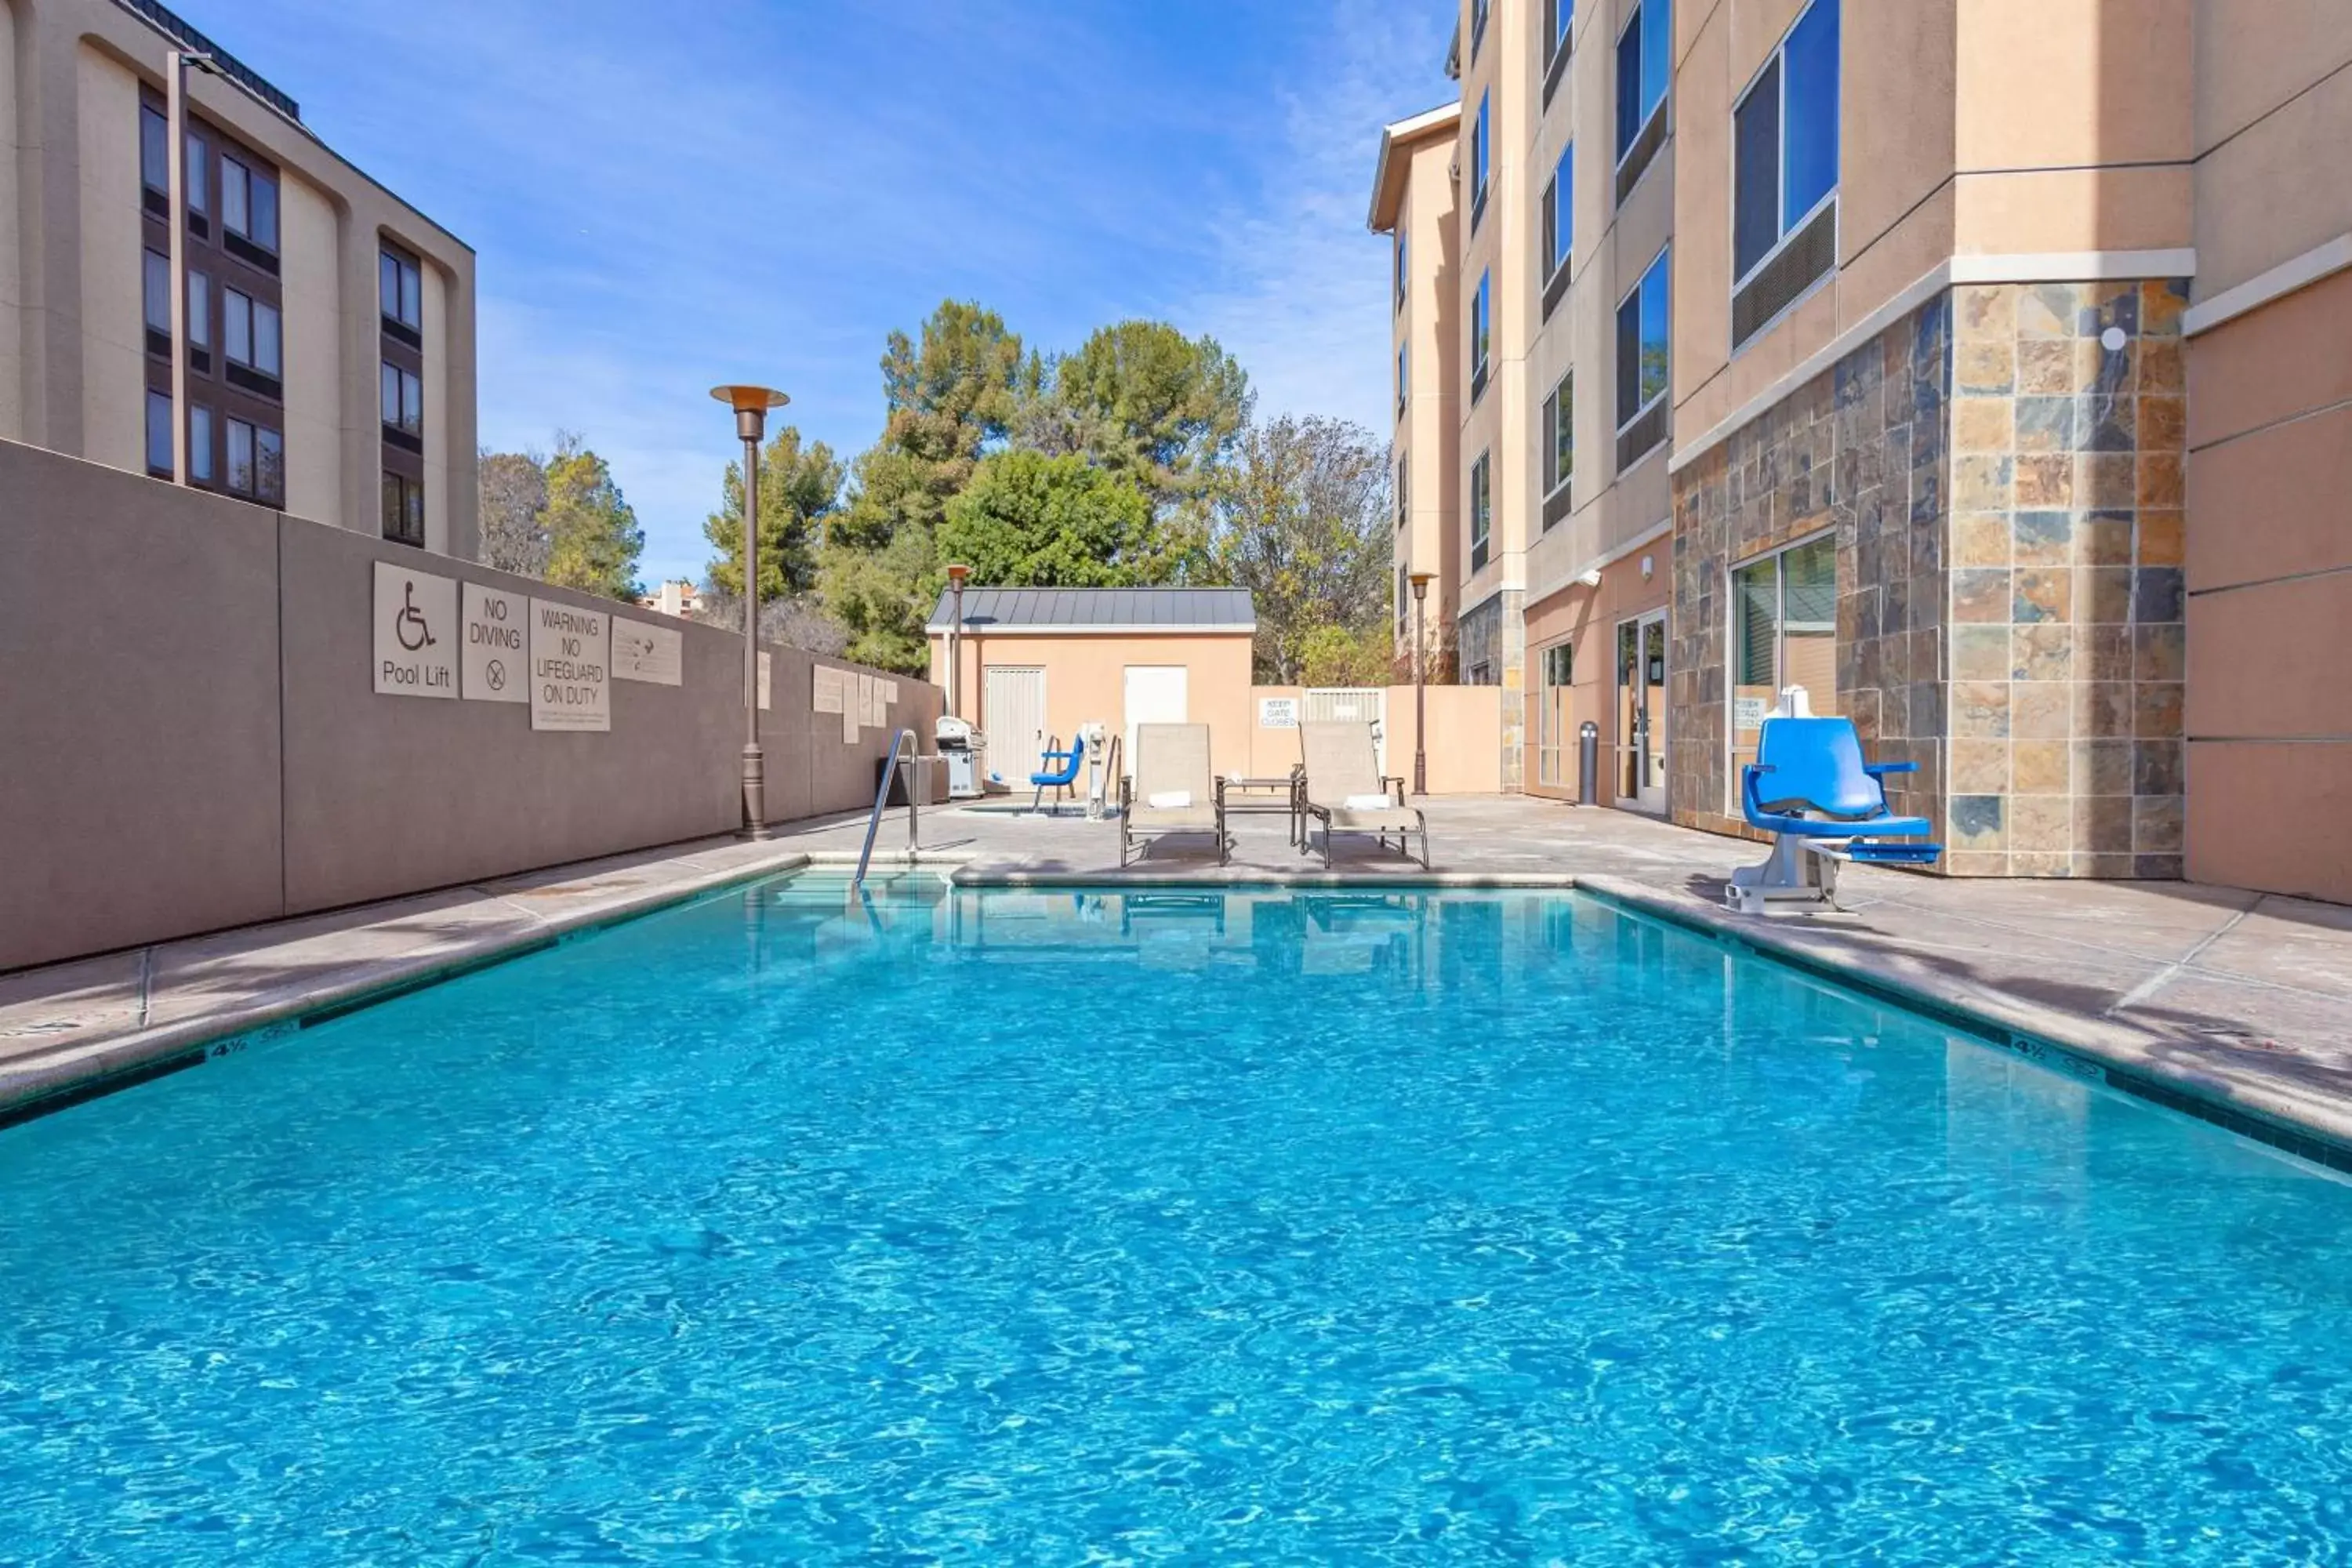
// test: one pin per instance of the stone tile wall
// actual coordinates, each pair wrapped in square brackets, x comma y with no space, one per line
[1861,448]
[2003,469]
[2069,419]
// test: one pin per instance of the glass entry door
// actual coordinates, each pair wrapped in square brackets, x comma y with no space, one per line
[1641,713]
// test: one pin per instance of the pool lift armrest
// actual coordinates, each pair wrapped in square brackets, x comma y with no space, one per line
[1808,847]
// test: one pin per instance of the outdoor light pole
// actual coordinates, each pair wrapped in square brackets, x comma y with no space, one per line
[1420,685]
[175,160]
[956,575]
[751,405]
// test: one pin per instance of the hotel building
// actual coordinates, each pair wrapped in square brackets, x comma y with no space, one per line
[329,325]
[1979,365]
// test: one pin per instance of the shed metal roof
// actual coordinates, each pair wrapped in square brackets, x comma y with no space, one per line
[1100,609]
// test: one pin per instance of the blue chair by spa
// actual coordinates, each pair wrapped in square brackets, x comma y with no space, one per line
[1058,770]
[1811,789]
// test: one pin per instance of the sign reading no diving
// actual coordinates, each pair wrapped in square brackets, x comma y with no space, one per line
[494,664]
[570,667]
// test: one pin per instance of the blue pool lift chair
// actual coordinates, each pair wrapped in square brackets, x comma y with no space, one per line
[1059,772]
[1810,788]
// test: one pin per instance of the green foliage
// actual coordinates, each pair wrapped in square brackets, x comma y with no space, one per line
[1304,524]
[799,488]
[1152,406]
[1336,656]
[1030,521]
[593,537]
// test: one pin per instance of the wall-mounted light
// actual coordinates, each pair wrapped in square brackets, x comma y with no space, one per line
[1649,567]
[1590,578]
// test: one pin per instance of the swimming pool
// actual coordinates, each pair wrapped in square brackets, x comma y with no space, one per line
[1062,1228]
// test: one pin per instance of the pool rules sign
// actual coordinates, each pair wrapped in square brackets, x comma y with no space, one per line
[571,666]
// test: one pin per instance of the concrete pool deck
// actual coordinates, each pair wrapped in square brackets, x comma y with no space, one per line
[2183,993]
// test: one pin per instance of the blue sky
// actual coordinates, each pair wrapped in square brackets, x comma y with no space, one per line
[665,196]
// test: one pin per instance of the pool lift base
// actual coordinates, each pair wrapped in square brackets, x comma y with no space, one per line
[1802,868]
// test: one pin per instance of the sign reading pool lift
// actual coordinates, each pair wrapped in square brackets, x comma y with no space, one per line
[415,633]
[570,667]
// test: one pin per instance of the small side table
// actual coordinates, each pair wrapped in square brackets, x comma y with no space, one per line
[1263,797]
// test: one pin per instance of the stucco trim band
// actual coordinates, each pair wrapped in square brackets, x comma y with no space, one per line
[2036,266]
[991,629]
[2296,272]
[1606,558]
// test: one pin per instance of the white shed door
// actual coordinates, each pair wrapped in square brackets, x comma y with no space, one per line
[1155,695]
[1012,720]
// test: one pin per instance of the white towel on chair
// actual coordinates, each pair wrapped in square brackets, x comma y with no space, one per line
[1368,802]
[1168,799]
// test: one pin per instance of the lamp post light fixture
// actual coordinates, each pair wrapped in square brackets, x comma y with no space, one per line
[751,405]
[956,575]
[175,162]
[1419,685]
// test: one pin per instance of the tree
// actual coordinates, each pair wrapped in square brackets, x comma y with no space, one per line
[1303,525]
[795,621]
[1152,406]
[799,488]
[1030,521]
[513,489]
[952,394]
[593,539]
[1335,655]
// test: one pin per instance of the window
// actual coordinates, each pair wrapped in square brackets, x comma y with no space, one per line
[1480,513]
[270,463]
[251,327]
[200,444]
[240,457]
[159,431]
[404,400]
[1404,375]
[1400,267]
[403,288]
[157,293]
[1784,135]
[1404,488]
[1554,713]
[1477,24]
[404,511]
[154,151]
[1561,15]
[1558,438]
[1559,212]
[248,204]
[1403,597]
[1481,321]
[1642,344]
[1784,632]
[1644,59]
[194,153]
[1481,144]
[199,311]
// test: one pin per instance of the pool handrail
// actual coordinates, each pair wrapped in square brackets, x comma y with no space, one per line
[901,740]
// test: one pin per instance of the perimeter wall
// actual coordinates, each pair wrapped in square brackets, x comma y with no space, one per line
[190,738]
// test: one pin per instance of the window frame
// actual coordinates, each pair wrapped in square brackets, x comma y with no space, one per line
[1626,143]
[1560,413]
[1552,728]
[404,274]
[1734,639]
[1558,226]
[1482,159]
[243,181]
[406,498]
[1481,532]
[1658,265]
[1403,490]
[403,389]
[1482,333]
[1562,14]
[1404,375]
[1479,11]
[1400,261]
[154,124]
[254,310]
[1787,229]
[158,401]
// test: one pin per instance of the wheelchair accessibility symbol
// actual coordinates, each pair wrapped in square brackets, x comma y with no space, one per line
[409,624]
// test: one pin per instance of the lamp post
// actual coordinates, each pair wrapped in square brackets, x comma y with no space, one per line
[175,161]
[956,575]
[1420,685]
[751,405]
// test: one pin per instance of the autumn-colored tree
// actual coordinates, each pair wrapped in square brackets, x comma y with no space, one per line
[1304,524]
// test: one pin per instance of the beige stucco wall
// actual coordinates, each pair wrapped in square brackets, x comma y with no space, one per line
[437,410]
[1086,682]
[310,288]
[1432,324]
[1586,619]
[2273,116]
[12,284]
[113,312]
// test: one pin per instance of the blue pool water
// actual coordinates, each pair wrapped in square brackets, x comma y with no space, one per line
[1070,1228]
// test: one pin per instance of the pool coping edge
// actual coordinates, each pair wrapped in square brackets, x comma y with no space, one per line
[2314,1127]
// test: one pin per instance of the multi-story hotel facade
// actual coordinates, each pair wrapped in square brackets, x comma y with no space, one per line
[328,326]
[1978,365]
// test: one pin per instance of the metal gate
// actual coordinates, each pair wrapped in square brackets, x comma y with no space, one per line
[1351,705]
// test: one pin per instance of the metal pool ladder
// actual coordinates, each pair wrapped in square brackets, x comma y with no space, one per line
[901,742]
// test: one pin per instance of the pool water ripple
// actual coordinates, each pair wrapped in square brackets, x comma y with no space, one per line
[1279,1227]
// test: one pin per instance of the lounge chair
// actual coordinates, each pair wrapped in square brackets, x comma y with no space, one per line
[1059,772]
[1344,791]
[1173,789]
[1811,789]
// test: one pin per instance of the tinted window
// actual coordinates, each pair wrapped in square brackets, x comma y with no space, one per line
[158,292]
[1756,178]
[154,150]
[159,431]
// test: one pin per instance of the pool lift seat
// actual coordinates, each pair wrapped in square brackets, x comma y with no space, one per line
[1810,788]
[1059,772]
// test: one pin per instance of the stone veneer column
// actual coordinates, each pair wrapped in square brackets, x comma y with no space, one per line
[2068,648]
